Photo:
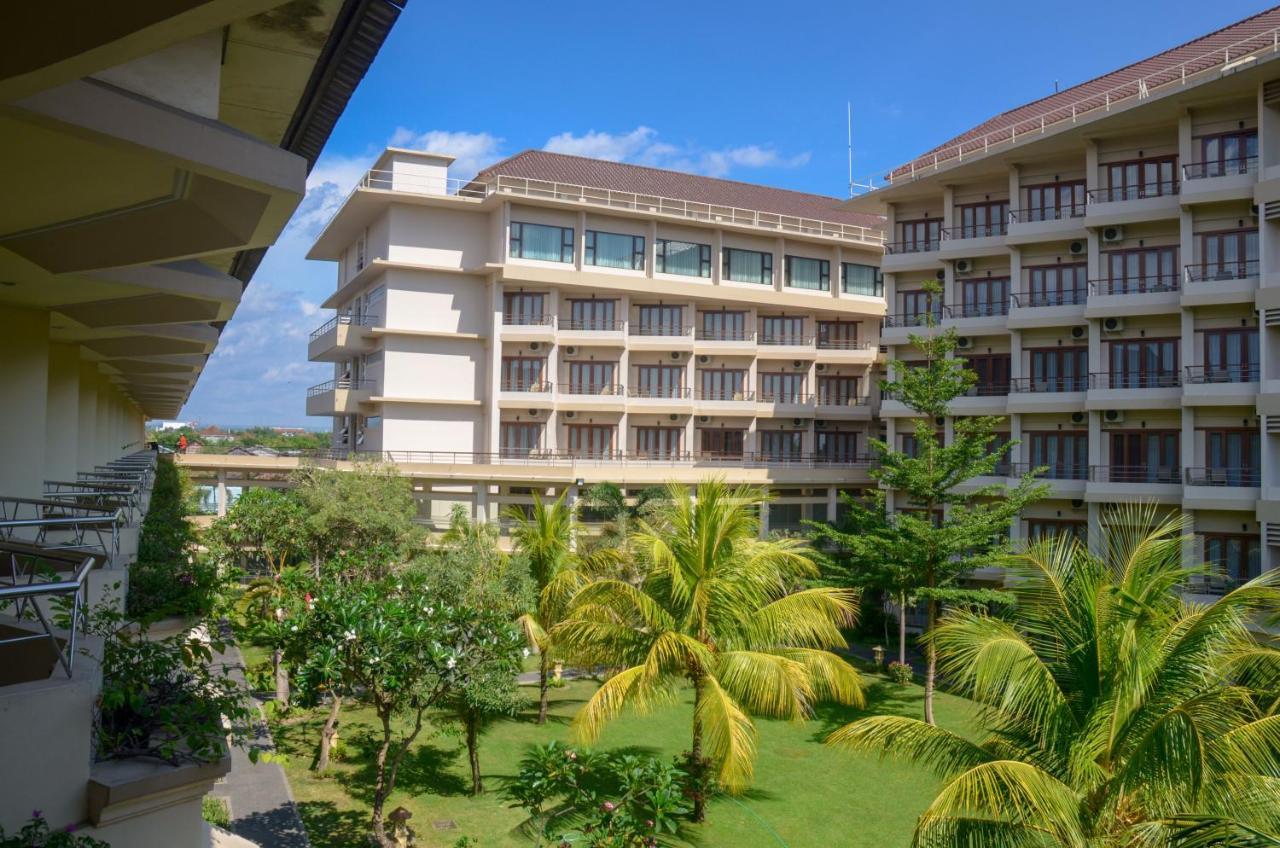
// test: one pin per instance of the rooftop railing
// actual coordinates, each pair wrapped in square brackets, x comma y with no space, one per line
[1093,103]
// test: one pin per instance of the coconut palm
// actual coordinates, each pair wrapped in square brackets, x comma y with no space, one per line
[1116,713]
[719,610]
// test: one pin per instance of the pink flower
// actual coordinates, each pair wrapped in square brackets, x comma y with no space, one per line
[608,806]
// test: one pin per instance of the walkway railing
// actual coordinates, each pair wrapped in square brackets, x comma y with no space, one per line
[56,524]
[25,598]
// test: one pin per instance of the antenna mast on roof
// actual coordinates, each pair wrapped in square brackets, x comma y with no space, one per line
[855,188]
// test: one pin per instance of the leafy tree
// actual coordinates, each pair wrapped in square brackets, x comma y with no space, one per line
[406,649]
[940,530]
[489,693]
[1117,714]
[719,610]
[364,516]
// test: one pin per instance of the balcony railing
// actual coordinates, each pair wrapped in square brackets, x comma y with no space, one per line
[841,400]
[914,246]
[1222,168]
[34,581]
[511,319]
[1056,213]
[59,525]
[336,385]
[979,310]
[914,319]
[1066,297]
[1118,194]
[596,389]
[102,495]
[661,392]
[591,325]
[1236,477]
[988,390]
[725,335]
[667,330]
[1139,380]
[1049,385]
[353,320]
[537,386]
[845,344]
[1162,474]
[1241,269]
[725,395]
[1052,471]
[795,398]
[545,457]
[1198,374]
[1151,284]
[968,231]
[789,339]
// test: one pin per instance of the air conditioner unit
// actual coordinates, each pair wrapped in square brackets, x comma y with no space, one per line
[704,359]
[1078,332]
[821,366]
[703,419]
[570,350]
[535,346]
[1113,416]
[1113,234]
[819,425]
[964,266]
[1078,248]
[533,413]
[795,422]
[672,417]
[964,343]
[796,363]
[675,354]
[571,414]
[1077,504]
[1078,418]
[1112,325]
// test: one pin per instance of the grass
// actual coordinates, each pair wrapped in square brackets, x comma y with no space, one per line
[805,794]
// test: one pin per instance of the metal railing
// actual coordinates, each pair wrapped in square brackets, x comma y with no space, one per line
[1156,474]
[844,344]
[915,319]
[336,385]
[660,392]
[787,339]
[1241,477]
[840,400]
[353,320]
[968,231]
[913,246]
[596,389]
[1241,269]
[1139,380]
[1066,297]
[26,598]
[725,395]
[1051,471]
[1245,373]
[510,319]
[1086,106]
[545,457]
[1150,284]
[1120,194]
[60,525]
[1221,168]
[725,335]
[664,330]
[1049,385]
[988,390]
[978,310]
[97,494]
[536,386]
[592,325]
[1053,213]
[792,398]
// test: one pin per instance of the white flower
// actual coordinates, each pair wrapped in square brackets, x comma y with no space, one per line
[294,628]
[399,587]
[349,635]
[430,610]
[373,660]
[451,663]
[279,613]
[525,651]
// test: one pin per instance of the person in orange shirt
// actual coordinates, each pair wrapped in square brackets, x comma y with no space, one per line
[182,444]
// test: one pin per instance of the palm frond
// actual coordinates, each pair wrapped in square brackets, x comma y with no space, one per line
[729,736]
[944,753]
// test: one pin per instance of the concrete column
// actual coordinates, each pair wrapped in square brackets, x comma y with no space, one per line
[1095,347]
[62,429]
[482,502]
[1190,543]
[24,385]
[948,207]
[837,272]
[1095,438]
[87,420]
[493,415]
[1185,155]
[1189,355]
[1018,453]
[651,250]
[1015,189]
[1090,165]
[1015,270]
[1186,241]
[717,255]
[580,242]
[764,520]
[1095,525]
[106,407]
[1187,446]
[833,502]
[779,263]
[220,495]
[1015,355]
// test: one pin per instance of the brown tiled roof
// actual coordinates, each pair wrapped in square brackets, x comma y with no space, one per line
[619,176]
[1200,54]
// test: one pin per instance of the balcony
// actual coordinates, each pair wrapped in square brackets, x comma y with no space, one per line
[1134,390]
[670,399]
[592,332]
[341,337]
[1220,283]
[1108,483]
[1133,204]
[1052,471]
[1222,488]
[525,394]
[912,255]
[983,399]
[592,397]
[784,403]
[725,402]
[898,328]
[844,407]
[660,337]
[528,328]
[1047,308]
[339,397]
[724,340]
[1221,385]
[969,240]
[1048,394]
[851,351]
[785,346]
[1045,223]
[1221,180]
[1152,294]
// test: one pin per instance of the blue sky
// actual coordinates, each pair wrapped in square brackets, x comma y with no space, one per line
[751,90]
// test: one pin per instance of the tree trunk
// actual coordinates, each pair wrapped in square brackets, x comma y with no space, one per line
[327,734]
[695,758]
[282,677]
[380,790]
[930,654]
[543,671]
[473,751]
[902,627]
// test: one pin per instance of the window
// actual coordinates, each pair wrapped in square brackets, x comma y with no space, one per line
[660,442]
[660,320]
[781,445]
[523,374]
[838,335]
[1048,528]
[1227,153]
[722,444]
[1145,456]
[980,220]
[1231,356]
[1057,285]
[591,440]
[1060,369]
[723,326]
[993,374]
[1233,456]
[1065,454]
[985,297]
[593,315]
[522,308]
[519,438]
[593,378]
[835,446]
[1054,201]
[614,250]
[748,266]
[916,305]
[360,253]
[861,279]
[782,330]
[539,241]
[659,381]
[1235,556]
[1228,255]
[920,235]
[803,273]
[1150,269]
[1140,178]
[1144,363]
[373,422]
[722,384]
[838,391]
[778,387]
[686,258]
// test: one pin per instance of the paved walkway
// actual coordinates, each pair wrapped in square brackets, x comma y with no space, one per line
[262,805]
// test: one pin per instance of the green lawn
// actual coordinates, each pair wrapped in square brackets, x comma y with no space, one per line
[805,795]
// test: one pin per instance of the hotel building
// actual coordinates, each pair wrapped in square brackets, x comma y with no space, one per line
[562,321]
[1110,256]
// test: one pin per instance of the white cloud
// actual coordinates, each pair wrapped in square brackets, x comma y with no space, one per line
[472,151]
[641,146]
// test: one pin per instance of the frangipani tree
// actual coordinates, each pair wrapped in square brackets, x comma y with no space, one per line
[1116,713]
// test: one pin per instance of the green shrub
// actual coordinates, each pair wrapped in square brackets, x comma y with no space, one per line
[900,672]
[215,811]
[36,834]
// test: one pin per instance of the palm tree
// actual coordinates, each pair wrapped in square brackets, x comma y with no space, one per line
[1116,714]
[723,612]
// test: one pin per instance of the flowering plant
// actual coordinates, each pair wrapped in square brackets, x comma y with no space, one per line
[36,834]
[900,672]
